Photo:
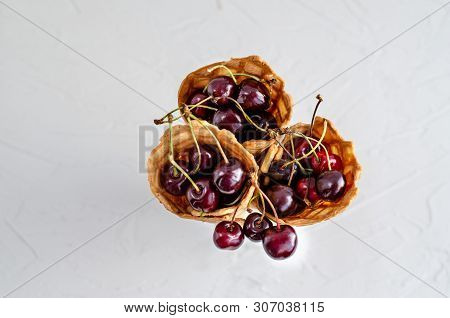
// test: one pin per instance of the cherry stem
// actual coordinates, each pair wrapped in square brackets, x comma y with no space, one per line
[307,138]
[319,100]
[172,160]
[248,75]
[313,148]
[214,137]
[190,107]
[263,207]
[247,117]
[234,215]
[297,161]
[226,68]
[197,166]
[291,139]
[271,206]
[328,158]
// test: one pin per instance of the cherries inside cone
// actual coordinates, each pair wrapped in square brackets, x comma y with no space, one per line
[330,185]
[172,180]
[206,199]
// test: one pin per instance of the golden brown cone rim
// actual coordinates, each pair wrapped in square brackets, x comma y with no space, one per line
[281,107]
[322,210]
[182,141]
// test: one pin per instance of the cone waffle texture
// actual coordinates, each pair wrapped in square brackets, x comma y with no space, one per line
[281,107]
[322,210]
[183,141]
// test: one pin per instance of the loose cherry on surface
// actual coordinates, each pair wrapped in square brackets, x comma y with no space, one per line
[254,226]
[320,164]
[262,119]
[229,177]
[280,173]
[253,95]
[228,235]
[280,243]
[208,160]
[207,199]
[172,180]
[306,188]
[220,88]
[200,112]
[229,118]
[284,200]
[330,185]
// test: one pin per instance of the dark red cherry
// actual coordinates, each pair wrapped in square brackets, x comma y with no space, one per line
[230,119]
[253,95]
[284,200]
[200,112]
[172,180]
[229,177]
[207,199]
[320,164]
[228,235]
[254,226]
[306,188]
[220,88]
[208,159]
[280,243]
[302,147]
[233,199]
[262,119]
[330,185]
[279,173]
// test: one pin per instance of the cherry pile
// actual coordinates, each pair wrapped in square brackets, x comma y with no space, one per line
[307,172]
[238,108]
[213,183]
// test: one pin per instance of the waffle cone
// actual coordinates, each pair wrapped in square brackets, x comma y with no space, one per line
[182,141]
[281,107]
[321,210]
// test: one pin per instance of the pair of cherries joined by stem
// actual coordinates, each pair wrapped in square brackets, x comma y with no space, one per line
[279,241]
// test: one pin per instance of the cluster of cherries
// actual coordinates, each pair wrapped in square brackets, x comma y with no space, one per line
[301,177]
[208,183]
[235,105]
[293,186]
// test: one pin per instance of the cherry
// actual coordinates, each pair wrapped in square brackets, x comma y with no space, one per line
[228,235]
[262,119]
[254,226]
[306,188]
[200,112]
[280,173]
[220,88]
[229,177]
[253,95]
[173,180]
[321,164]
[330,185]
[233,199]
[207,199]
[284,200]
[208,158]
[230,119]
[280,243]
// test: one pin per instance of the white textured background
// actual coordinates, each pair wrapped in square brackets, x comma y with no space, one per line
[69,145]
